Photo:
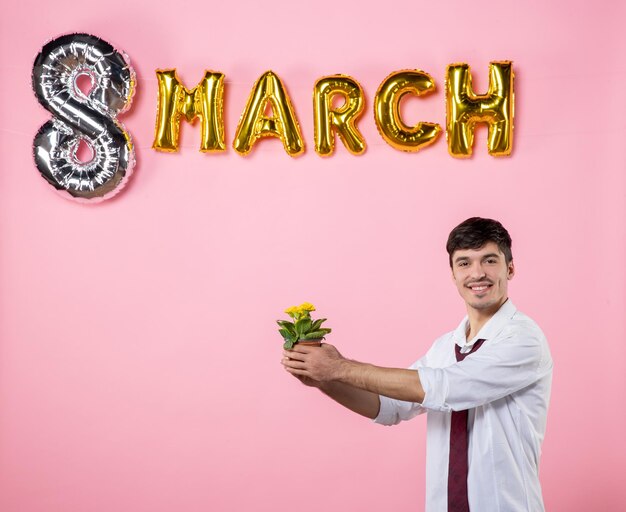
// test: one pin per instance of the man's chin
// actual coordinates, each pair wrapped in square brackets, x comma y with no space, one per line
[485,304]
[482,305]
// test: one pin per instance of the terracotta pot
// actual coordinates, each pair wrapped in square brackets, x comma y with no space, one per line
[310,343]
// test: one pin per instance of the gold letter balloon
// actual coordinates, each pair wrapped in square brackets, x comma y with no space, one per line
[205,102]
[387,111]
[327,118]
[465,109]
[268,91]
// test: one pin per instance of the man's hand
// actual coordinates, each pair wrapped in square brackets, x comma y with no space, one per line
[322,367]
[308,381]
[353,384]
[314,365]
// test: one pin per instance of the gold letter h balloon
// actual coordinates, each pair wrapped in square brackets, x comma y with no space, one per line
[465,109]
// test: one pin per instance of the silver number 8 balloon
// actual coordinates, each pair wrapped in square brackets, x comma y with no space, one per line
[89,117]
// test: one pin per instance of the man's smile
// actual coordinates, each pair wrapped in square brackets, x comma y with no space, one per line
[479,287]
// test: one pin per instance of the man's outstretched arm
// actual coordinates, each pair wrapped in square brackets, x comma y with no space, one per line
[358,400]
[334,372]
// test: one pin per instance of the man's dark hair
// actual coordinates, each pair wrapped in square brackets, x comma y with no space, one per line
[474,233]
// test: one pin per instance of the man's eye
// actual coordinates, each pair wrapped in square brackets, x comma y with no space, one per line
[491,261]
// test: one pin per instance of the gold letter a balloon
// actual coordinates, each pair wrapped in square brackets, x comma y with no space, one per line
[282,123]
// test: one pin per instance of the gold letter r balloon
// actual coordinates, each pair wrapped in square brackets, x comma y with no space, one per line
[465,109]
[342,119]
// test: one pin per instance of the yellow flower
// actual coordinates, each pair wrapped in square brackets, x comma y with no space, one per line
[306,306]
[291,310]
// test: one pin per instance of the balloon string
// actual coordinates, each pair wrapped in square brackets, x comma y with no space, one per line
[369,143]
[182,146]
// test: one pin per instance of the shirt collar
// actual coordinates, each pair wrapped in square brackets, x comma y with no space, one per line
[490,330]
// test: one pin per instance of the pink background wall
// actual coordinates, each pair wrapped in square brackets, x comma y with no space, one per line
[139,360]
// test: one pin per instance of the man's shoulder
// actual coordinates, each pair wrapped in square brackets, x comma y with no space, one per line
[522,324]
[524,331]
[509,322]
[445,341]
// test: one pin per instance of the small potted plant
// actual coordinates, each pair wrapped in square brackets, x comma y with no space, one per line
[303,330]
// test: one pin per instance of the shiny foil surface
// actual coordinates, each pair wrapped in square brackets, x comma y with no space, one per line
[89,116]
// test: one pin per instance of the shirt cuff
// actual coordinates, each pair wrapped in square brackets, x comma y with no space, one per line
[387,413]
[435,386]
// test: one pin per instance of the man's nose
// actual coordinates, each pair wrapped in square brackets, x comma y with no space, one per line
[476,270]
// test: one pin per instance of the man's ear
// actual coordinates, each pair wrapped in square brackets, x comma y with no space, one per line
[510,270]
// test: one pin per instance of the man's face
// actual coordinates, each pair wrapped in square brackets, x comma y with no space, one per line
[481,276]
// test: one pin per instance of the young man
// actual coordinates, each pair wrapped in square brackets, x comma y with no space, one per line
[485,386]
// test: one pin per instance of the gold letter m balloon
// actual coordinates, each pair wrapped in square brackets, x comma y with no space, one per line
[204,101]
[465,109]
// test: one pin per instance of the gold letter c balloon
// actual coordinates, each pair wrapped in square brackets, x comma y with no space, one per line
[465,109]
[387,111]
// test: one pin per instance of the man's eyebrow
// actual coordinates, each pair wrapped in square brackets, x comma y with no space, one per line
[466,258]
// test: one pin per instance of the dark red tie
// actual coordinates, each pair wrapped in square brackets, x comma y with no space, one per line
[457,467]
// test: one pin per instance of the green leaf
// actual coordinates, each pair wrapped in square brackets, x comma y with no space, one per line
[288,336]
[303,325]
[316,325]
[313,335]
[287,325]
[289,345]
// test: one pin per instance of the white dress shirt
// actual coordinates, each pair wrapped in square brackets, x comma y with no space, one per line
[505,385]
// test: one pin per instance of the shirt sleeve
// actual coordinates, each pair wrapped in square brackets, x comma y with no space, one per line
[494,371]
[394,411]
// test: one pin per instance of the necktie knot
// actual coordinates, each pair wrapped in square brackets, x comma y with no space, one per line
[462,355]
